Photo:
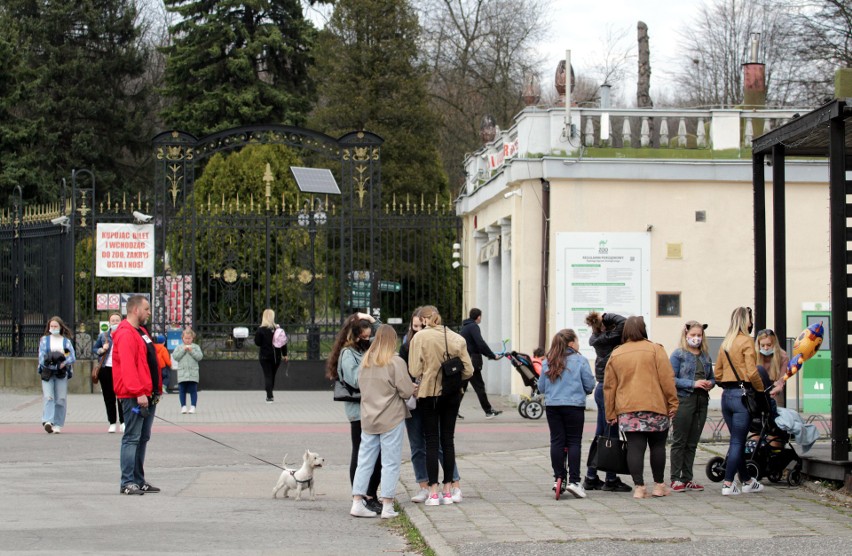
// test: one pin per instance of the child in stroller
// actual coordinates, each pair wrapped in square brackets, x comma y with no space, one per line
[768,450]
[532,405]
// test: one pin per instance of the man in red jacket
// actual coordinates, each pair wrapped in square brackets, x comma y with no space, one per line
[136,379]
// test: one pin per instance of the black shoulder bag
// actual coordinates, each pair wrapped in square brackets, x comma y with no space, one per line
[343,392]
[451,371]
[755,402]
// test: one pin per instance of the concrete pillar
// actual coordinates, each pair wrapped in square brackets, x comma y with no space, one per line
[491,317]
[507,307]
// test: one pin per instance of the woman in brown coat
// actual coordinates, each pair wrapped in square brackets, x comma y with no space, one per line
[641,398]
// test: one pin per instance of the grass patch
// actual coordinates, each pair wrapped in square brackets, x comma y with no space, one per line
[402,526]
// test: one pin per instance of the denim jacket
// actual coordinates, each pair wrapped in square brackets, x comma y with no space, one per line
[683,363]
[573,385]
[44,352]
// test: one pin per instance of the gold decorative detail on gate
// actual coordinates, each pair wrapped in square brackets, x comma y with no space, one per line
[361,183]
[229,275]
[174,182]
[84,210]
[306,277]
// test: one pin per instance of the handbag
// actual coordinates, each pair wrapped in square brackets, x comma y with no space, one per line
[451,371]
[96,367]
[755,402]
[345,393]
[612,453]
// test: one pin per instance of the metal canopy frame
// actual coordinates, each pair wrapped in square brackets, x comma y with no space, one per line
[821,133]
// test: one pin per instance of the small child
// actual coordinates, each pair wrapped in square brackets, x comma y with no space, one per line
[537,358]
[186,357]
[164,360]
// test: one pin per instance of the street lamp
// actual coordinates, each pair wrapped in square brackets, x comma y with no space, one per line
[311,217]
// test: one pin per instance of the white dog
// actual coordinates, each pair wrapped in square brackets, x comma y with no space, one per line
[299,479]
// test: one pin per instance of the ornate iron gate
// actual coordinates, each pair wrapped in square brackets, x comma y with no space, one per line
[313,259]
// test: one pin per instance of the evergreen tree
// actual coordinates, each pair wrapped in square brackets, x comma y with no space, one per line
[236,63]
[71,94]
[368,79]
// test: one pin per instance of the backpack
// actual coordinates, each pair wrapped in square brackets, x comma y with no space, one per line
[279,338]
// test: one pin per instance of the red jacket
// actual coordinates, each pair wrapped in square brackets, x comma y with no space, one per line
[130,372]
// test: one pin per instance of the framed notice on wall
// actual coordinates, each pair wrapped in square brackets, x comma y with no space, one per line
[603,272]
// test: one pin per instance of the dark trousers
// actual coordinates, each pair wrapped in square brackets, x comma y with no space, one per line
[566,434]
[592,472]
[270,367]
[376,477]
[112,404]
[636,443]
[439,426]
[478,383]
[687,426]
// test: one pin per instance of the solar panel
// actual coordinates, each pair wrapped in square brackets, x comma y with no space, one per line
[315,180]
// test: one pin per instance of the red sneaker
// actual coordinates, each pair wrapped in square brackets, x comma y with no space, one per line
[678,486]
[694,487]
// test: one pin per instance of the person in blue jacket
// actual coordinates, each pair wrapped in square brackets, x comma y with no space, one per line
[55,360]
[566,380]
[694,378]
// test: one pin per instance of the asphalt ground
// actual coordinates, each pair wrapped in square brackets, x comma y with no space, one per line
[59,493]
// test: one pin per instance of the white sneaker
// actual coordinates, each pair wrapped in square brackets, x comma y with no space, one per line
[752,486]
[183,409]
[359,509]
[434,500]
[388,511]
[446,498]
[457,495]
[731,490]
[421,496]
[121,428]
[111,428]
[57,430]
[192,409]
[576,489]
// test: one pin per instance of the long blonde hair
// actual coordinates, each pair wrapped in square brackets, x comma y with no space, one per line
[774,369]
[740,323]
[685,330]
[382,349]
[267,320]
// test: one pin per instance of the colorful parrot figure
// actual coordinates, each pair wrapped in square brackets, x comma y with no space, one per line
[805,346]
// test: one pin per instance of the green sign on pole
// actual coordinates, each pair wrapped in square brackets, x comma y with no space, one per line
[385,286]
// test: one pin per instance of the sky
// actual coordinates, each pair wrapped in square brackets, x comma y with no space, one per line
[581,27]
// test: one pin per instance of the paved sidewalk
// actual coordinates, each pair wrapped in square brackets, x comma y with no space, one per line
[59,492]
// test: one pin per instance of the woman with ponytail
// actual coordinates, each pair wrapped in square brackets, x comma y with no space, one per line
[566,380]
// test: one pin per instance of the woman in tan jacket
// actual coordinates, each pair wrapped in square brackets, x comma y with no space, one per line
[736,364]
[385,385]
[641,398]
[429,348]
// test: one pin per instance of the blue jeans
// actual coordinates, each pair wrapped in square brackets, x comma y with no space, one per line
[137,432]
[738,420]
[192,388]
[390,446]
[417,443]
[55,393]
[592,472]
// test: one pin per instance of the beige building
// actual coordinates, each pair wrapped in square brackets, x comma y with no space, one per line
[636,230]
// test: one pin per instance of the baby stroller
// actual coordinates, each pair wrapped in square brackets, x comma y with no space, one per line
[532,405]
[768,453]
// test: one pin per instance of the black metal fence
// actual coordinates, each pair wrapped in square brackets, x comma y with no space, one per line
[221,260]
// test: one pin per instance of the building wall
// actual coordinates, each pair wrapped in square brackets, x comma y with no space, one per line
[714,275]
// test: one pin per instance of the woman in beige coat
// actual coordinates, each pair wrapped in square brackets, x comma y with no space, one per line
[641,398]
[385,385]
[429,348]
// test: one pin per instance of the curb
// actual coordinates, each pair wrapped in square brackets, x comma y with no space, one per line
[424,525]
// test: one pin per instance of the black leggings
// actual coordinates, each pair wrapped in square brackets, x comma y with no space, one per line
[376,477]
[269,367]
[636,443]
[112,405]
[439,425]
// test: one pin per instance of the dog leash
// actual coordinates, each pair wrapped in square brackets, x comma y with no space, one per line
[218,442]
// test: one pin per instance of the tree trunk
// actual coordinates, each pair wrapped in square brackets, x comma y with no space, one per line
[643,85]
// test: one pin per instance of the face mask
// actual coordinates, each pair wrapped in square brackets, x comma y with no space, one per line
[767,352]
[113,327]
[694,341]
[363,345]
[54,331]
